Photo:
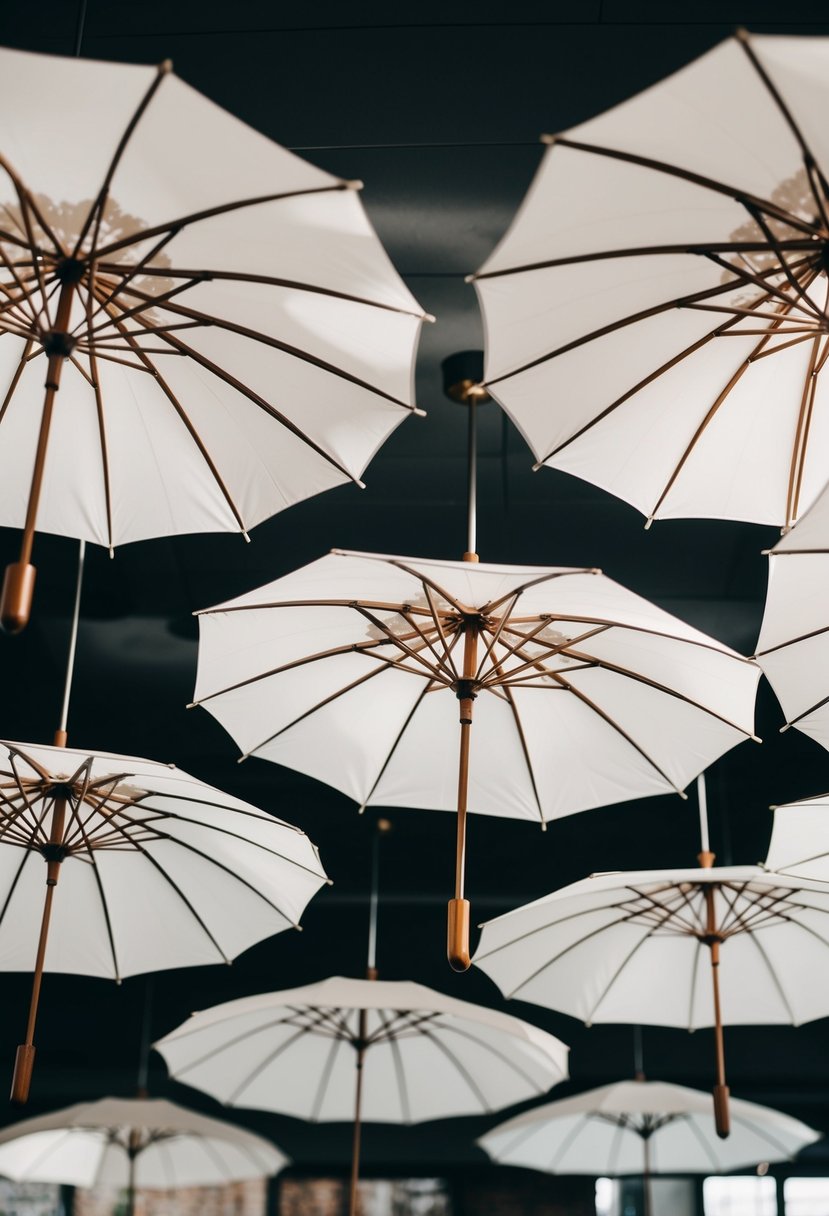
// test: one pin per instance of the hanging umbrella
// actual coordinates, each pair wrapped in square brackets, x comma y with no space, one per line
[634,947]
[134,1144]
[656,315]
[375,1050]
[220,330]
[584,694]
[793,647]
[157,870]
[643,1127]
[799,846]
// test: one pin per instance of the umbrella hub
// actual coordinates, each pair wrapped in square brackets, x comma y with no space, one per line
[70,270]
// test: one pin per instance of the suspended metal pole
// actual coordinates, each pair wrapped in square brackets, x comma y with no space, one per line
[702,800]
[381,828]
[472,481]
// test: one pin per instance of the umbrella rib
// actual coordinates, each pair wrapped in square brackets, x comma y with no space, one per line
[719,401]
[708,1148]
[526,752]
[243,331]
[118,269]
[259,401]
[99,408]
[775,980]
[528,979]
[460,1068]
[693,992]
[500,1055]
[779,253]
[801,439]
[644,314]
[319,705]
[416,655]
[101,894]
[422,578]
[325,1077]
[642,941]
[812,709]
[400,1071]
[748,277]
[739,196]
[619,729]
[496,633]
[426,689]
[627,673]
[260,1067]
[549,576]
[497,675]
[643,383]
[96,211]
[804,244]
[15,380]
[776,96]
[447,648]
[759,1130]
[209,276]
[184,418]
[208,213]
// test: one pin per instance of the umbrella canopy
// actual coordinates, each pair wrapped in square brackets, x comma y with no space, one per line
[643,1127]
[793,647]
[157,870]
[418,1054]
[633,947]
[799,845]
[656,316]
[226,331]
[584,694]
[134,1143]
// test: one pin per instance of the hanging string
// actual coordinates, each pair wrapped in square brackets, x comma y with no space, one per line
[60,736]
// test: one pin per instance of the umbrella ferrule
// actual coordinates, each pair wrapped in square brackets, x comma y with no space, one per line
[466,691]
[57,342]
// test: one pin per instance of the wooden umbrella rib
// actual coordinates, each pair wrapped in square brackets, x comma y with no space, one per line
[262,1065]
[447,647]
[639,678]
[646,937]
[806,712]
[28,203]
[496,633]
[400,1072]
[780,254]
[314,708]
[209,276]
[426,689]
[425,579]
[24,296]
[184,418]
[775,979]
[762,282]
[16,378]
[738,196]
[325,1077]
[497,675]
[554,924]
[619,730]
[548,577]
[526,753]
[101,893]
[416,655]
[125,314]
[550,962]
[96,211]
[606,255]
[808,157]
[140,267]
[468,1036]
[207,213]
[801,436]
[348,648]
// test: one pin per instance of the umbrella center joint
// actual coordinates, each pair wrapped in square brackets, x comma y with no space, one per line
[712,939]
[70,270]
[53,853]
[58,342]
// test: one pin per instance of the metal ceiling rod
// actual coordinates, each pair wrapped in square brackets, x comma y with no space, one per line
[702,800]
[61,733]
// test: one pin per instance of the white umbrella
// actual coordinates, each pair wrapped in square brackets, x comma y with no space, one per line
[134,1144]
[157,870]
[665,250]
[793,647]
[634,947]
[418,1054]
[226,331]
[799,845]
[643,1127]
[584,694]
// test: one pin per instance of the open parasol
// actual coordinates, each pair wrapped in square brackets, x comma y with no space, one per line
[656,315]
[220,331]
[134,1143]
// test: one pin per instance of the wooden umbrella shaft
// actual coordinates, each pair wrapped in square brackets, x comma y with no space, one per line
[458,912]
[25,1058]
[722,1118]
[358,1104]
[647,1198]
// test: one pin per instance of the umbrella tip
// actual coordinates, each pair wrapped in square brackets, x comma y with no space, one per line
[191,705]
[755,739]
[544,825]
[469,278]
[683,795]
[243,758]
[429,318]
[245,536]
[539,464]
[549,140]
[354,184]
[419,413]
[785,727]
[648,523]
[361,485]
[111,551]
[361,810]
[741,33]
[165,67]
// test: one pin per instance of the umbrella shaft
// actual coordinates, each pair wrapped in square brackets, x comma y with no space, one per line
[718,1030]
[355,1143]
[53,373]
[463,786]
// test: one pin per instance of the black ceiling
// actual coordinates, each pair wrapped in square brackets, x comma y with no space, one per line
[438,108]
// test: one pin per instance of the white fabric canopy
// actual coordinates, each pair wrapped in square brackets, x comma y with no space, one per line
[427,1056]
[158,869]
[630,308]
[629,947]
[793,647]
[348,670]
[88,1145]
[642,1127]
[300,336]
[799,845]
